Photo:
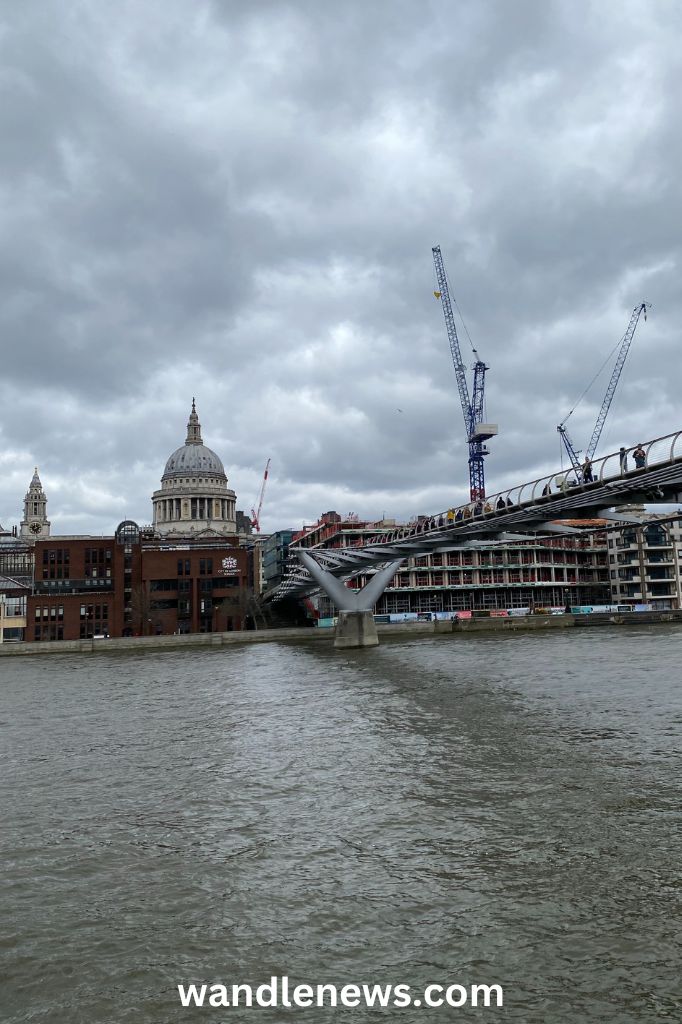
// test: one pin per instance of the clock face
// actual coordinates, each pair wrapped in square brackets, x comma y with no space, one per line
[35,527]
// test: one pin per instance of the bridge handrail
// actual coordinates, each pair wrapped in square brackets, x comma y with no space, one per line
[519,494]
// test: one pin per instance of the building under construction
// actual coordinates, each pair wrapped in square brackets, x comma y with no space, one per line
[547,572]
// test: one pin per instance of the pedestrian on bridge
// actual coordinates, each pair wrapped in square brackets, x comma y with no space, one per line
[639,455]
[623,456]
[587,470]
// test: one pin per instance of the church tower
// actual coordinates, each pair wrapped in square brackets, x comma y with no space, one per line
[35,524]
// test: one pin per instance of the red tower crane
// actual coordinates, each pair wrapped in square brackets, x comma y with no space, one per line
[255,513]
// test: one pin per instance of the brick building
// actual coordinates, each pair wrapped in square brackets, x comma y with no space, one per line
[186,573]
[133,584]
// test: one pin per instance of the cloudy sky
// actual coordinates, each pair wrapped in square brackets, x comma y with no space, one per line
[238,200]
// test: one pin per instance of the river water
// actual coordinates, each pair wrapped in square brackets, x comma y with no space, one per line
[499,810]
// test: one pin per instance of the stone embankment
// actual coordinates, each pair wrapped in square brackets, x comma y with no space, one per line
[516,623]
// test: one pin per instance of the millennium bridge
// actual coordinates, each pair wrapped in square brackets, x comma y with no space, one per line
[535,507]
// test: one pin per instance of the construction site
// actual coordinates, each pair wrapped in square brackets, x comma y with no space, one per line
[586,565]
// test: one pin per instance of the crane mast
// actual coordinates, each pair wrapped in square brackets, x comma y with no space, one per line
[255,513]
[610,392]
[472,408]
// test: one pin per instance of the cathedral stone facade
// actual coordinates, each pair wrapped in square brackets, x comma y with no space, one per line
[194,499]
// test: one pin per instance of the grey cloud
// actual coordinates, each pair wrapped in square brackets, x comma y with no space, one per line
[238,202]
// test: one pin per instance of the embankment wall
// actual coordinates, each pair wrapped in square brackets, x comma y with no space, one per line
[515,623]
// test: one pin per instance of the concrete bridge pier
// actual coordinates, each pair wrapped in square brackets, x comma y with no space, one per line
[355,626]
[356,629]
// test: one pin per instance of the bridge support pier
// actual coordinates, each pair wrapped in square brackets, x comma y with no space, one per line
[356,629]
[355,626]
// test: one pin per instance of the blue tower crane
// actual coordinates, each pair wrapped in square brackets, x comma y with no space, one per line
[608,397]
[477,431]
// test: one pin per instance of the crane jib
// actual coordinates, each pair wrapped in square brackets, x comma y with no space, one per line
[610,392]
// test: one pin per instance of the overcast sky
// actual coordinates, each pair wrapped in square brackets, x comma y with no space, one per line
[238,201]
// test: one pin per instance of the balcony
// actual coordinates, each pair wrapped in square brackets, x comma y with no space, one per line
[56,587]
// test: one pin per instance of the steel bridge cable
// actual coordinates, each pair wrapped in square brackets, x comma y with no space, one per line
[597,374]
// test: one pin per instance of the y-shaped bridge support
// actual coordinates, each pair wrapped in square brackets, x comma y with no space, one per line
[355,626]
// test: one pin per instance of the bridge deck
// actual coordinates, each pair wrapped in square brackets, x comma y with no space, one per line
[526,510]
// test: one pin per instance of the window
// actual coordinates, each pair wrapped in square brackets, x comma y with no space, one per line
[163,585]
[55,563]
[94,620]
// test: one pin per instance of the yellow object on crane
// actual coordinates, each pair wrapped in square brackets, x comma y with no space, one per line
[436,295]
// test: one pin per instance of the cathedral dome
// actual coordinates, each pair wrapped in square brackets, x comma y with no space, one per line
[194,499]
[193,459]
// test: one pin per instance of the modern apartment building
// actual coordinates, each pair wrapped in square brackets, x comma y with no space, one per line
[275,557]
[645,561]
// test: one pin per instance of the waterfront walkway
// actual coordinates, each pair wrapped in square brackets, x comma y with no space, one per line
[397,630]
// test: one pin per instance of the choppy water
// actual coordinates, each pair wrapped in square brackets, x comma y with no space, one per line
[463,810]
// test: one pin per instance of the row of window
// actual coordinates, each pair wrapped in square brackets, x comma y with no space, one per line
[466,577]
[55,572]
[183,585]
[69,585]
[94,611]
[98,555]
[53,612]
[59,555]
[52,631]
[485,559]
[205,567]
[16,564]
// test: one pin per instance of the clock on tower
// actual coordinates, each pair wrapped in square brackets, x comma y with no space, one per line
[35,523]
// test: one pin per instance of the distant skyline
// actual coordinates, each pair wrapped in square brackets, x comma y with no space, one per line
[238,202]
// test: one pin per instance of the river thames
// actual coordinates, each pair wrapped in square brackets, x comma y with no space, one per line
[500,810]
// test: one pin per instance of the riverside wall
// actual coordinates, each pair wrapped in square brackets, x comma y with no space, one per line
[516,623]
